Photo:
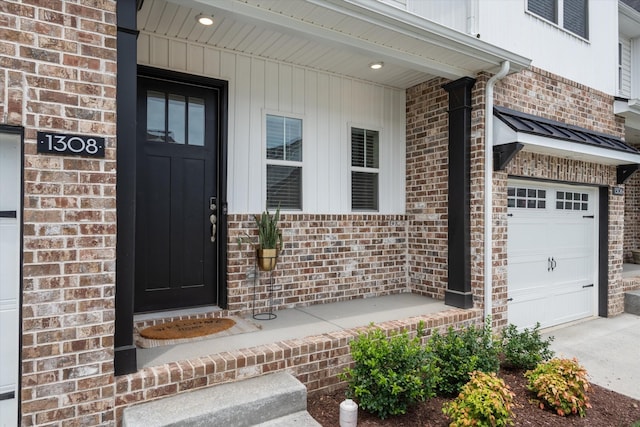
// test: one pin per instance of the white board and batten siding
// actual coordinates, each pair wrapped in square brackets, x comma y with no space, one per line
[507,24]
[9,277]
[327,103]
[624,65]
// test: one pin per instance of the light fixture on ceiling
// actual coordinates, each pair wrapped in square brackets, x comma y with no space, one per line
[204,19]
[376,65]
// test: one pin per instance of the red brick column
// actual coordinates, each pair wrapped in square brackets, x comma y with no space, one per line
[57,74]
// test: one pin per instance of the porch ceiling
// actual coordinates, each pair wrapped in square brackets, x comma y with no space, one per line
[337,36]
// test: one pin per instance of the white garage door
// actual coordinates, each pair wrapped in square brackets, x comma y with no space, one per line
[552,268]
[9,276]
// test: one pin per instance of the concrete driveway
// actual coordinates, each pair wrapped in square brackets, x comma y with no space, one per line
[609,348]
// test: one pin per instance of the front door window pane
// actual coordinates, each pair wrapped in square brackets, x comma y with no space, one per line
[177,128]
[196,121]
[155,116]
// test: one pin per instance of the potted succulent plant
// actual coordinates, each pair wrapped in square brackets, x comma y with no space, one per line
[269,239]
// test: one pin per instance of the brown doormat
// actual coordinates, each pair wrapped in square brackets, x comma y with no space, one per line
[180,331]
[187,328]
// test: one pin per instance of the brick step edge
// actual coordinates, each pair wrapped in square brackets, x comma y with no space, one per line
[243,403]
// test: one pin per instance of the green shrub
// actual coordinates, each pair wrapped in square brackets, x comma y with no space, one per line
[484,401]
[458,353]
[560,384]
[524,350]
[389,374]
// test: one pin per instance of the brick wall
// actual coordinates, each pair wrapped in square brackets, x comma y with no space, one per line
[427,182]
[57,71]
[316,361]
[326,258]
[531,91]
[632,216]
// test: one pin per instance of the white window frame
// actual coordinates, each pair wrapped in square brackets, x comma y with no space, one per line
[292,163]
[352,168]
[559,4]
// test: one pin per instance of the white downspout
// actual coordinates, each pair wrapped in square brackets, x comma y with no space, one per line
[488,188]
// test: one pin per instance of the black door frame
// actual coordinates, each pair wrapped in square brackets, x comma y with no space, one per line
[159,297]
[222,87]
[126,99]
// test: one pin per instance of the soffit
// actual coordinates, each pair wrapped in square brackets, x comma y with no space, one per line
[628,20]
[342,37]
[545,136]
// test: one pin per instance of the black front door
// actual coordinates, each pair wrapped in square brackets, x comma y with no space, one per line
[176,194]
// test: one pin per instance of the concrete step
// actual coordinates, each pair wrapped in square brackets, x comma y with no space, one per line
[242,403]
[632,302]
[299,419]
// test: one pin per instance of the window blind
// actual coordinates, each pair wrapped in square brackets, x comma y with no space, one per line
[544,8]
[284,187]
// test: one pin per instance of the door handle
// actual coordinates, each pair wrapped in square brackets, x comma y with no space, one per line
[588,286]
[8,214]
[213,218]
[553,264]
[548,263]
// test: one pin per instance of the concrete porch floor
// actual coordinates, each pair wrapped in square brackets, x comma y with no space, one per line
[298,323]
[630,270]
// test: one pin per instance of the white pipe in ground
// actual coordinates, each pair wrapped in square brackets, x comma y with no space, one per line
[348,413]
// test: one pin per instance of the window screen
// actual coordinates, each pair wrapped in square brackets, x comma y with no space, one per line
[574,18]
[284,162]
[364,169]
[284,187]
[572,15]
[544,8]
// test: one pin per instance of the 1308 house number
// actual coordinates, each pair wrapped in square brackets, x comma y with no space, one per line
[75,145]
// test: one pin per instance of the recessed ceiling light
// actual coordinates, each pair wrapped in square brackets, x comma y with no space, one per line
[205,19]
[376,65]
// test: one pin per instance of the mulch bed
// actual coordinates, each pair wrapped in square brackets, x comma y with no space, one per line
[609,409]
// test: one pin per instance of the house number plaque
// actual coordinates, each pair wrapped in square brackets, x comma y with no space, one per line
[73,145]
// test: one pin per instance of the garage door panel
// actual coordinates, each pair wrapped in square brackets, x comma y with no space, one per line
[8,355]
[551,254]
[557,306]
[526,275]
[526,312]
[530,232]
[572,269]
[574,236]
[9,258]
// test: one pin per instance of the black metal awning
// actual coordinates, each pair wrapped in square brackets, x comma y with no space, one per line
[527,123]
[514,130]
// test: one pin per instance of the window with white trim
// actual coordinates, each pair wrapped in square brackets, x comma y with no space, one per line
[284,162]
[572,15]
[365,148]
[619,67]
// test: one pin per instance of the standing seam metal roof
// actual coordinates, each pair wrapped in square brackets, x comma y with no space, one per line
[534,125]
